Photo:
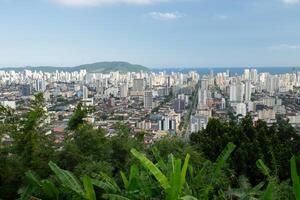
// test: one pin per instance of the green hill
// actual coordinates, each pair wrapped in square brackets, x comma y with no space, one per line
[106,67]
[99,67]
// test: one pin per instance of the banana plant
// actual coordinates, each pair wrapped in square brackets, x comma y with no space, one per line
[35,184]
[245,190]
[138,184]
[48,190]
[111,188]
[295,178]
[269,192]
[171,177]
[134,187]
[174,182]
[207,176]
[70,182]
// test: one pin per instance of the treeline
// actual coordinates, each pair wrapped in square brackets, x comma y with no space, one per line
[227,160]
[275,145]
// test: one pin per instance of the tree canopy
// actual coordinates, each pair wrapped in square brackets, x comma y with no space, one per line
[227,160]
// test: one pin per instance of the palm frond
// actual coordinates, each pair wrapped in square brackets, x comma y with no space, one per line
[160,177]
[263,168]
[67,179]
[223,157]
[89,189]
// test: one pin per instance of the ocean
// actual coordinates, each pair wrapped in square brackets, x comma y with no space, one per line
[233,70]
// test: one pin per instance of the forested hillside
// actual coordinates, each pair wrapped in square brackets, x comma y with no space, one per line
[98,67]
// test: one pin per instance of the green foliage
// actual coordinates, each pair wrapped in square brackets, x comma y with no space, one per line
[207,177]
[275,145]
[78,116]
[44,188]
[67,179]
[174,183]
[268,194]
[89,188]
[245,190]
[161,178]
[30,147]
[295,178]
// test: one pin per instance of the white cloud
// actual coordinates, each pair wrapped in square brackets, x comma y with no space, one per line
[221,17]
[165,15]
[291,1]
[105,2]
[285,47]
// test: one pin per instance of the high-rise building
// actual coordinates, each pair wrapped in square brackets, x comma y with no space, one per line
[272,84]
[251,106]
[241,109]
[211,80]
[202,98]
[253,75]
[168,81]
[248,91]
[167,124]
[25,90]
[85,92]
[204,82]
[138,85]
[124,90]
[237,92]
[223,103]
[228,73]
[40,85]
[179,105]
[181,79]
[148,100]
[198,122]
[247,74]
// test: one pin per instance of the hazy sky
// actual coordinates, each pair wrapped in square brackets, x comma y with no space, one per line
[150,32]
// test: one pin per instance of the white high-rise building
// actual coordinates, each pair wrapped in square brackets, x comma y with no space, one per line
[85,92]
[272,84]
[237,92]
[204,83]
[248,91]
[124,90]
[198,123]
[202,98]
[167,124]
[253,75]
[250,106]
[247,74]
[148,100]
[232,92]
[40,85]
[241,109]
[223,104]
[181,79]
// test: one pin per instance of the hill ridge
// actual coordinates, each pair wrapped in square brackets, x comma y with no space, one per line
[97,67]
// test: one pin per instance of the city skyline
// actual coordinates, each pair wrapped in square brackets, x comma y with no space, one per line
[75,116]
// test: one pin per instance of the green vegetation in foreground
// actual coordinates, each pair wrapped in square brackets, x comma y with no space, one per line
[99,67]
[226,161]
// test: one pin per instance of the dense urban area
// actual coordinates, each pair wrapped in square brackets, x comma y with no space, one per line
[149,135]
[157,103]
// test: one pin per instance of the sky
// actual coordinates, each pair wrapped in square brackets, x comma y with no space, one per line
[154,33]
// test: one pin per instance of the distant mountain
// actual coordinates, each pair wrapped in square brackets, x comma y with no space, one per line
[99,67]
